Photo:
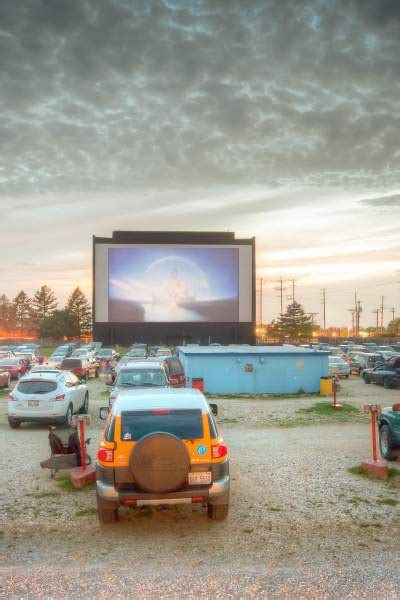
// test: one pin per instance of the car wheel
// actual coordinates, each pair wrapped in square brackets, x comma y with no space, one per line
[217,512]
[386,383]
[106,512]
[85,406]
[14,423]
[386,445]
[366,379]
[68,416]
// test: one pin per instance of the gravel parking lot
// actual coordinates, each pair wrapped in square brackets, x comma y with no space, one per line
[298,517]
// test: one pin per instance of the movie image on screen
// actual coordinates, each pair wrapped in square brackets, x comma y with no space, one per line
[173,284]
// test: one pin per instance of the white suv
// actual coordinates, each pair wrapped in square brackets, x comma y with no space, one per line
[47,396]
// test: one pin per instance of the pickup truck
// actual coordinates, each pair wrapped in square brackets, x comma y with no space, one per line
[389,432]
[386,374]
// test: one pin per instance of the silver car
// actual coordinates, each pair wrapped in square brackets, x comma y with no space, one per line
[338,366]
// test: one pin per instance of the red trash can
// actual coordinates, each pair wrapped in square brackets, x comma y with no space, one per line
[198,383]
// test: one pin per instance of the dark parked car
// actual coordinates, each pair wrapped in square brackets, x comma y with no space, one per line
[387,374]
[389,432]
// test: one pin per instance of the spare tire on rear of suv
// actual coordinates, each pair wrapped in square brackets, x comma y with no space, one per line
[159,463]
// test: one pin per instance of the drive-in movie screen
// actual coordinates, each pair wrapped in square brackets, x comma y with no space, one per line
[173,284]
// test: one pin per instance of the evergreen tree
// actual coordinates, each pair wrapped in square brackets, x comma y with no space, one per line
[5,312]
[58,325]
[293,324]
[22,311]
[44,303]
[79,308]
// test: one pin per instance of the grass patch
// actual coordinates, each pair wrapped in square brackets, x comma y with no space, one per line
[86,512]
[66,485]
[319,413]
[393,480]
[357,500]
[325,409]
[105,394]
[47,350]
[43,494]
[388,501]
[299,394]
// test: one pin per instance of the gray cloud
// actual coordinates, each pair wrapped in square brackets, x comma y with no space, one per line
[100,95]
[383,201]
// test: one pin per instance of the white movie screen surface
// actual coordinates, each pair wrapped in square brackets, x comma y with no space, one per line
[155,284]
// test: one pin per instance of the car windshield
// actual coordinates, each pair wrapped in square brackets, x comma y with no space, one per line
[185,424]
[138,352]
[104,353]
[36,387]
[142,377]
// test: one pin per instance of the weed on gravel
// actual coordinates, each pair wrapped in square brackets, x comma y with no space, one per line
[322,412]
[86,512]
[65,484]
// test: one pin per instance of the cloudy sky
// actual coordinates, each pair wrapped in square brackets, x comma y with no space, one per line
[273,118]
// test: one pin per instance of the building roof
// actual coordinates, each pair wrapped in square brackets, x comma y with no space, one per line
[160,398]
[244,349]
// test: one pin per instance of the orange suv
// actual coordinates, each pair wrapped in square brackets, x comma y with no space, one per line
[161,447]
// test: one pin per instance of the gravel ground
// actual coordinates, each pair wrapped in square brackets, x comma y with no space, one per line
[300,525]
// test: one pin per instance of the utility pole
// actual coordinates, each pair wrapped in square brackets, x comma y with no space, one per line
[393,311]
[353,312]
[376,312]
[324,307]
[382,309]
[261,301]
[359,310]
[293,298]
[281,289]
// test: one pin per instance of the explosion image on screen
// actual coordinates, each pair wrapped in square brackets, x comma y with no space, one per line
[173,284]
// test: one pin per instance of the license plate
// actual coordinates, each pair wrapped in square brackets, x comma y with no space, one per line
[33,402]
[199,478]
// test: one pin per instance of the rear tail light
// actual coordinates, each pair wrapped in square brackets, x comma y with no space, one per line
[197,499]
[105,455]
[219,451]
[60,397]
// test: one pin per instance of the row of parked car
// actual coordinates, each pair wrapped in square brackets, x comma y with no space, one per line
[374,363]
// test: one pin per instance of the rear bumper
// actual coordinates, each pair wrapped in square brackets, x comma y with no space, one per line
[218,491]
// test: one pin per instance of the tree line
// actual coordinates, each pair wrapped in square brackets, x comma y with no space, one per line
[39,315]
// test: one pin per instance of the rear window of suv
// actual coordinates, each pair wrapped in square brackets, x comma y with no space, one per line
[37,387]
[185,424]
[175,366]
[72,362]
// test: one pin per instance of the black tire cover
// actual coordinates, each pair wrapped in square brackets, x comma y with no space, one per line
[159,463]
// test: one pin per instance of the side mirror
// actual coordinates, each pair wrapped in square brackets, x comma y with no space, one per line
[214,409]
[103,412]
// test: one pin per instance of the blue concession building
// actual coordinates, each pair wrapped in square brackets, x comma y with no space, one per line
[254,369]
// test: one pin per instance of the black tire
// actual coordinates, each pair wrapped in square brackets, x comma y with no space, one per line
[85,378]
[68,416]
[107,513]
[85,406]
[366,379]
[386,383]
[14,423]
[217,512]
[386,445]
